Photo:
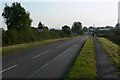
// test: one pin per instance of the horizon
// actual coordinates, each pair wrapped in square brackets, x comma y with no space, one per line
[57,14]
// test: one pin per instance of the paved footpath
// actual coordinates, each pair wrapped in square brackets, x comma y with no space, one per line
[104,64]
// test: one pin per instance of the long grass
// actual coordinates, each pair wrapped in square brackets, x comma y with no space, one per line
[20,47]
[112,49]
[84,66]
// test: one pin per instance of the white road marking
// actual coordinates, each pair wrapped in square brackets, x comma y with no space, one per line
[50,62]
[54,59]
[40,54]
[8,68]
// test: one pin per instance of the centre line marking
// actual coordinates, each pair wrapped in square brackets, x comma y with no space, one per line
[40,54]
[8,68]
[50,62]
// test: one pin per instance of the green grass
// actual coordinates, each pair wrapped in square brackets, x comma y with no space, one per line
[112,49]
[84,66]
[7,50]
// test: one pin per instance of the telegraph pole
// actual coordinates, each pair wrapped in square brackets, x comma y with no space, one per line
[119,14]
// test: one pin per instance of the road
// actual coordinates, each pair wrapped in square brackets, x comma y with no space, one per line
[49,61]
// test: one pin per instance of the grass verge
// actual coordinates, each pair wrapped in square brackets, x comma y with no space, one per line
[7,50]
[84,66]
[112,49]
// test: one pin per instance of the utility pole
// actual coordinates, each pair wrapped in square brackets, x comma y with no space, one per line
[119,14]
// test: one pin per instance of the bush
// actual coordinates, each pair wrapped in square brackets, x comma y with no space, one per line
[113,35]
[14,36]
[113,38]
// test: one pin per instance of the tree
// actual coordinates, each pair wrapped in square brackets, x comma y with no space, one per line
[40,25]
[117,26]
[66,30]
[110,27]
[16,17]
[45,28]
[85,29]
[76,27]
[91,28]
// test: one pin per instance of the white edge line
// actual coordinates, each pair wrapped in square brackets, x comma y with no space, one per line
[8,68]
[40,54]
[50,62]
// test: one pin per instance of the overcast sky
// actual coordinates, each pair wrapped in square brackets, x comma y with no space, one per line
[56,13]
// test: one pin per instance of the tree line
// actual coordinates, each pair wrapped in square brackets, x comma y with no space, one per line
[113,35]
[19,31]
[108,32]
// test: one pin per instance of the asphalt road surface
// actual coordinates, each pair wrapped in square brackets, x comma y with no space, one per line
[104,64]
[49,61]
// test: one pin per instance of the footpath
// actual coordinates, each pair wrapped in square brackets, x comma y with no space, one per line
[104,65]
